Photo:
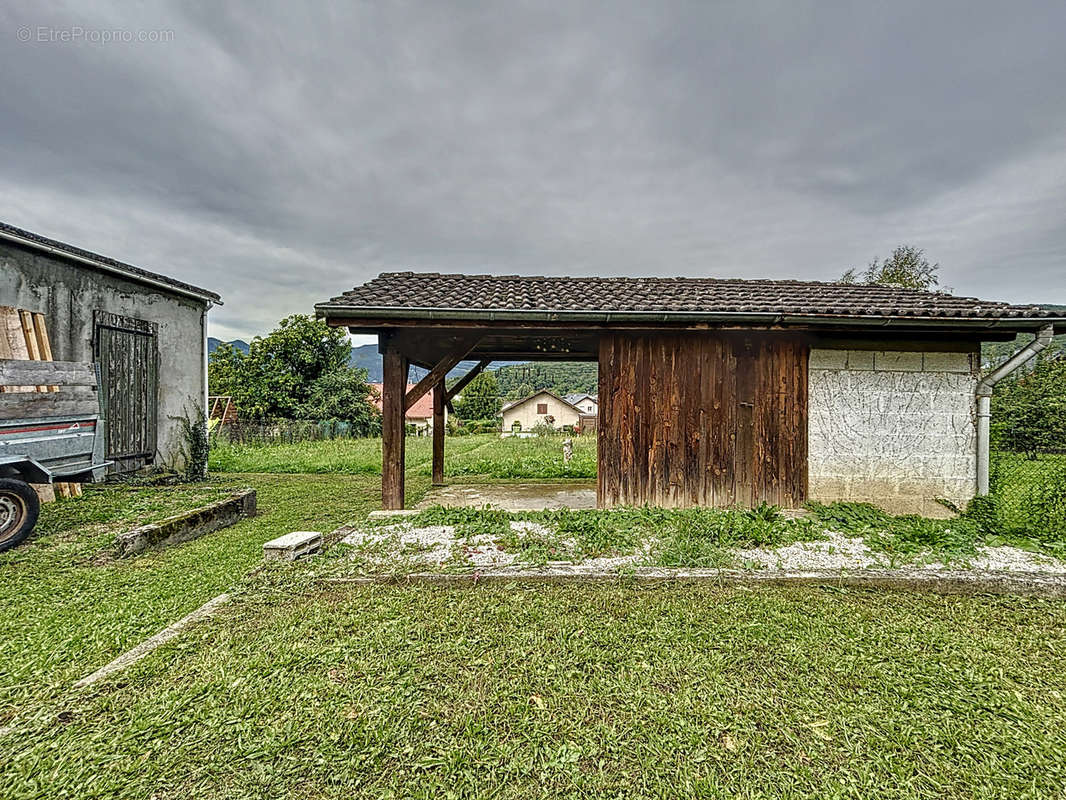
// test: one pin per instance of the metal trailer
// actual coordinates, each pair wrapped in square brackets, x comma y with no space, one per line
[50,430]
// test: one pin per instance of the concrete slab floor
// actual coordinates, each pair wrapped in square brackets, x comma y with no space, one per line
[513,496]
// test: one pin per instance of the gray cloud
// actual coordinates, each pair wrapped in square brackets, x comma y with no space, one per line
[281,153]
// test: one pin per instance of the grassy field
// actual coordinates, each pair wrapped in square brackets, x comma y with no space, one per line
[481,454]
[305,689]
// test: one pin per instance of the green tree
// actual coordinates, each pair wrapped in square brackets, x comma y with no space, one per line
[298,371]
[224,369]
[1029,408]
[907,268]
[480,399]
[342,394]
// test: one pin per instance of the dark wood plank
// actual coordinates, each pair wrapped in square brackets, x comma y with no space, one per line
[438,434]
[701,419]
[394,376]
[744,452]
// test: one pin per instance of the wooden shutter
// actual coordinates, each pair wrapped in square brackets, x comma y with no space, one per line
[127,352]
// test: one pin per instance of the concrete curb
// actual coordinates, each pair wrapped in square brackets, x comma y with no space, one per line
[938,581]
[158,640]
[187,526]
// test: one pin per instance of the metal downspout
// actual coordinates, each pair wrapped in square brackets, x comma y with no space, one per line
[207,389]
[984,398]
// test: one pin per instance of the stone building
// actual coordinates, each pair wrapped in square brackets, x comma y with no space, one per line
[148,333]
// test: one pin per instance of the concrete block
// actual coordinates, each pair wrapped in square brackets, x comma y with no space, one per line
[293,545]
[861,359]
[947,362]
[190,525]
[897,361]
[828,359]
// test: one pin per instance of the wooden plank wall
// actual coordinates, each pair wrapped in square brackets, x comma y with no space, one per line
[702,419]
[127,351]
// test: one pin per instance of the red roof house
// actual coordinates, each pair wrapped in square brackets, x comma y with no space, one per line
[420,414]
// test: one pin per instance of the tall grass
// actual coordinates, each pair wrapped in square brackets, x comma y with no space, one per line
[480,454]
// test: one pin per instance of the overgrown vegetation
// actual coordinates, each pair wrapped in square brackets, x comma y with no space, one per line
[1029,408]
[195,445]
[1027,497]
[902,537]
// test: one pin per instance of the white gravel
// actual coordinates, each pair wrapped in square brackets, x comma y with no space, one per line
[434,545]
[835,553]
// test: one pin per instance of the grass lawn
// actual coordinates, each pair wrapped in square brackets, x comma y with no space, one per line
[481,454]
[306,689]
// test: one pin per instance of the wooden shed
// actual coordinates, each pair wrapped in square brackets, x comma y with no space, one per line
[713,392]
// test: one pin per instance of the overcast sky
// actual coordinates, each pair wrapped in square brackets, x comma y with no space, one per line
[279,155]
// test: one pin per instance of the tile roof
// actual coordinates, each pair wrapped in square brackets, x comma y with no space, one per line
[10,232]
[455,296]
[422,409]
[575,398]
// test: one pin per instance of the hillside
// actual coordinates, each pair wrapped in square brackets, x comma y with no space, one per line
[213,343]
[368,357]
[994,352]
[562,377]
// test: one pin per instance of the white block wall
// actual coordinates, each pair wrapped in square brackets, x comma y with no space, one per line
[893,428]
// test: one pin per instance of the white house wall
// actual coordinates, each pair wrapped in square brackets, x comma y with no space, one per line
[897,428]
[526,413]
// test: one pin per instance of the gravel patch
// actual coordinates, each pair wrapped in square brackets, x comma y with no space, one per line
[837,552]
[439,545]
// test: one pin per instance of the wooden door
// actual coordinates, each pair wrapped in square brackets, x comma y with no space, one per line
[127,352]
[702,419]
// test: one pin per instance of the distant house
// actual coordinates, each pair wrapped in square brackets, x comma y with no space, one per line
[147,332]
[585,403]
[420,414]
[541,408]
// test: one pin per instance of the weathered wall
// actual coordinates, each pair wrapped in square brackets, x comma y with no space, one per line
[526,413]
[68,293]
[896,429]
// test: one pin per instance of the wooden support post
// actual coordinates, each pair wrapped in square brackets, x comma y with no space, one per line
[438,433]
[394,390]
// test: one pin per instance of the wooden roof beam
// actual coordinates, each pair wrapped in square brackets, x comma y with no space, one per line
[437,374]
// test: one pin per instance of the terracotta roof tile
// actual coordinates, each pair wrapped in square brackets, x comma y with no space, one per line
[512,293]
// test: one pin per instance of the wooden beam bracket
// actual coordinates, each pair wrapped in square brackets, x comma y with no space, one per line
[439,372]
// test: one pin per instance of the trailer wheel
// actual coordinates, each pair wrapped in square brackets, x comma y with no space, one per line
[19,507]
